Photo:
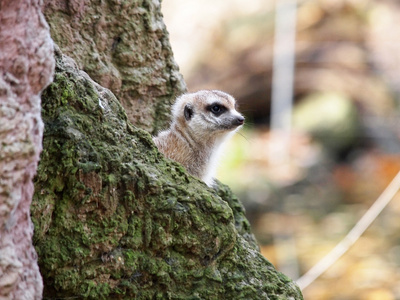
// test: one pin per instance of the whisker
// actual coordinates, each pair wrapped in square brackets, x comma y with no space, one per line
[239,133]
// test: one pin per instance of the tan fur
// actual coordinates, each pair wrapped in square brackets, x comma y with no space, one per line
[195,142]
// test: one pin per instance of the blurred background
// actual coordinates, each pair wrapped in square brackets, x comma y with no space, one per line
[322,133]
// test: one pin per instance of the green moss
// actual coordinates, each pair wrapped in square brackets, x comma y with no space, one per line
[92,289]
[114,219]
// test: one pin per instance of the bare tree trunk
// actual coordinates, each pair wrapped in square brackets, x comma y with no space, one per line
[26,65]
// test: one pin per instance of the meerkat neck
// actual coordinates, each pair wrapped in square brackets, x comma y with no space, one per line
[185,135]
[213,160]
[199,150]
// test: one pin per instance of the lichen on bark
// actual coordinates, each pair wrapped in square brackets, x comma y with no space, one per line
[115,219]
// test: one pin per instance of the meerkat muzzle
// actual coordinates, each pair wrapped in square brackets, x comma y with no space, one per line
[239,121]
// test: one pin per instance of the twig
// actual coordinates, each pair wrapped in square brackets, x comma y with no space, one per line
[353,235]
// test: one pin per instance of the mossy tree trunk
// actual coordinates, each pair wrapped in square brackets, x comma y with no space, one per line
[113,218]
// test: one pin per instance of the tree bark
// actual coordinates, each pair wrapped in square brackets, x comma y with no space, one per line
[27,65]
[123,46]
[113,218]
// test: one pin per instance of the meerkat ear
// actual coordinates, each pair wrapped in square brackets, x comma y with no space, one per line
[188,112]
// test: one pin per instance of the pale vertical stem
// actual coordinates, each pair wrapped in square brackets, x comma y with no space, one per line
[282,79]
[281,112]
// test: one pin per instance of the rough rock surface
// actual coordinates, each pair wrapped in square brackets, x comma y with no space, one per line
[114,219]
[27,66]
[123,46]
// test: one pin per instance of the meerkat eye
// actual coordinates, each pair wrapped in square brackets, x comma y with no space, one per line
[217,109]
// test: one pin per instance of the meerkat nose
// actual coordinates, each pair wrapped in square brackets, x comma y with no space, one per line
[239,120]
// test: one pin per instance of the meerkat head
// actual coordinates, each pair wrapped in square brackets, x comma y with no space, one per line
[207,112]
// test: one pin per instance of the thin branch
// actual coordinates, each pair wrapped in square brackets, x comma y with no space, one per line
[353,235]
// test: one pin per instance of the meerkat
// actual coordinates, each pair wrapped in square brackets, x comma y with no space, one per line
[201,123]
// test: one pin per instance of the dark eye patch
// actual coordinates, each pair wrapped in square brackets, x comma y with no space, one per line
[217,109]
